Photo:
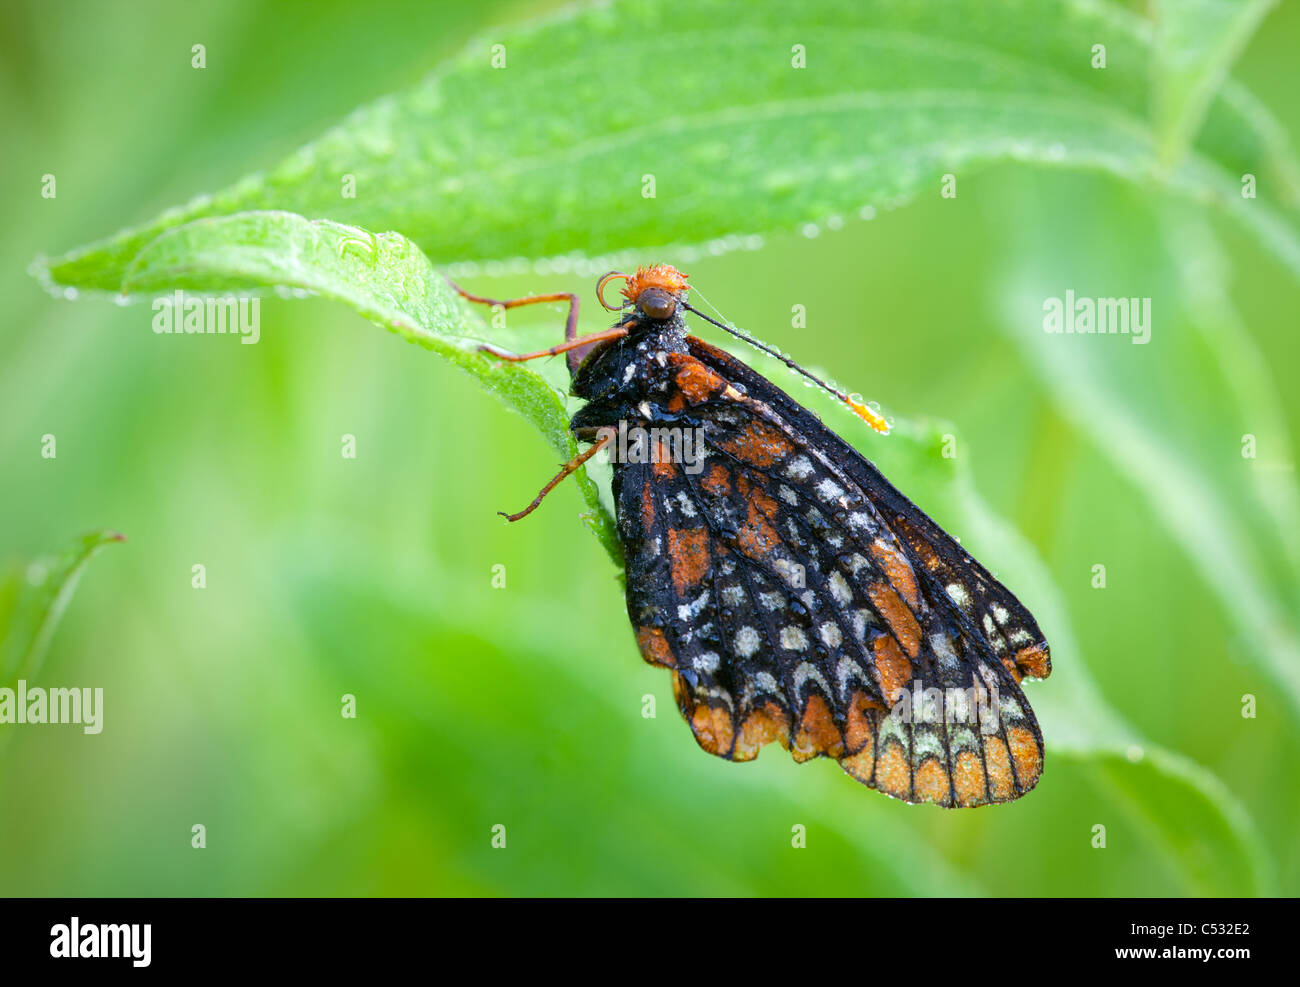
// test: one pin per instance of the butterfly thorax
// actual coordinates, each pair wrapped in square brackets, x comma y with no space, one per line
[630,378]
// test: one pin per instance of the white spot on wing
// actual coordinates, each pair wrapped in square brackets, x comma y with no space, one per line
[943,651]
[845,671]
[957,593]
[733,595]
[747,641]
[925,743]
[800,468]
[689,611]
[806,671]
[793,638]
[707,662]
[862,521]
[828,490]
[840,588]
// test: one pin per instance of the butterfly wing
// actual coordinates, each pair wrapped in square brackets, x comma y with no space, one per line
[799,598]
[1005,622]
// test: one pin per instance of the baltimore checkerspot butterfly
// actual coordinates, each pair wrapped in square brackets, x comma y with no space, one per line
[793,592]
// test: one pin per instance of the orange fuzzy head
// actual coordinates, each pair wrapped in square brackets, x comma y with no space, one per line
[662,276]
[655,291]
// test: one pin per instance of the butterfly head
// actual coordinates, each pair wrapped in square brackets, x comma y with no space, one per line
[654,292]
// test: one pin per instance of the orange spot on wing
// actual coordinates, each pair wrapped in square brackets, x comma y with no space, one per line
[664,468]
[713,729]
[688,557]
[758,443]
[897,569]
[647,507]
[968,779]
[654,647]
[717,482]
[757,537]
[696,382]
[761,727]
[817,732]
[892,774]
[892,668]
[1001,781]
[858,731]
[929,558]
[932,783]
[920,545]
[900,619]
[711,725]
[1035,661]
[1025,755]
[760,501]
[861,764]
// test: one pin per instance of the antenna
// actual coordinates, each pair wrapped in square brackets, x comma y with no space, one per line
[872,418]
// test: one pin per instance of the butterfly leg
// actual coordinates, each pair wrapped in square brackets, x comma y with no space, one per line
[568,346]
[572,341]
[568,468]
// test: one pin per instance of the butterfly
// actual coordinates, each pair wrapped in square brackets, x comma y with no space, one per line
[793,592]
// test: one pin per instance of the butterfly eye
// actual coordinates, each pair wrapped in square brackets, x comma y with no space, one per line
[656,303]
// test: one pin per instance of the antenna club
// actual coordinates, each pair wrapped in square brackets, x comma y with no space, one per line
[872,418]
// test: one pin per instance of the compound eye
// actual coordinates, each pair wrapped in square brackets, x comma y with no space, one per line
[657,304]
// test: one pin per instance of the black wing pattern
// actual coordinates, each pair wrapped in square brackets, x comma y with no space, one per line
[798,597]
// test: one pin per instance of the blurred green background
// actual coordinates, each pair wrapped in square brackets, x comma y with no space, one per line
[522,706]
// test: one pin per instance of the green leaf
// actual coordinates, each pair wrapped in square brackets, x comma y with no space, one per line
[555,152]
[1196,41]
[33,597]
[1171,414]
[383,277]
[1187,818]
